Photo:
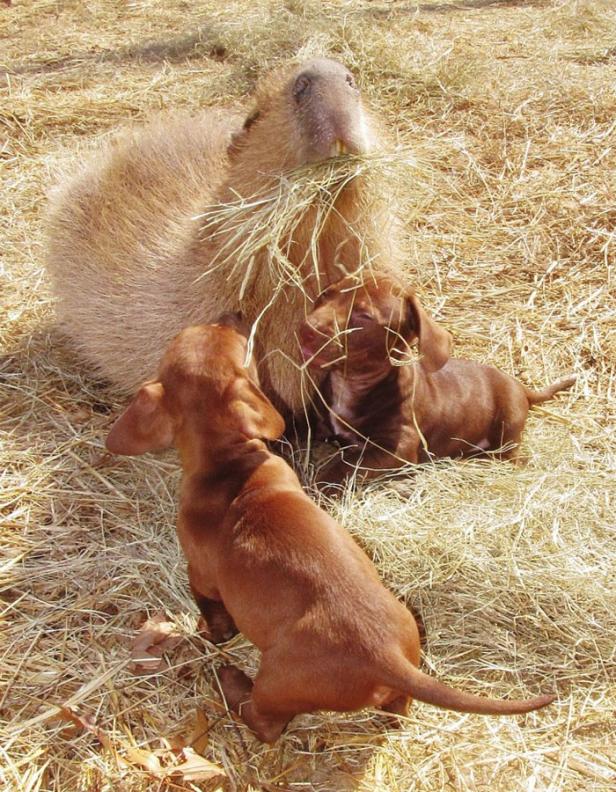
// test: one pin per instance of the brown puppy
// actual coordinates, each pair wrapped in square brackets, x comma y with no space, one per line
[262,556]
[389,411]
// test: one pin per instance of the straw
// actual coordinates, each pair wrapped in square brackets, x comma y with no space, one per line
[508,201]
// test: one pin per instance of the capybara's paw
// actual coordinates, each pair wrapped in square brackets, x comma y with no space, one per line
[217,628]
[236,686]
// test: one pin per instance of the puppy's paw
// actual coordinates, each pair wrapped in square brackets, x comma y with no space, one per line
[394,712]
[236,686]
[217,628]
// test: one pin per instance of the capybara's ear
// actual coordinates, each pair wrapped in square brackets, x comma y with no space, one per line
[434,341]
[145,425]
[239,138]
[257,416]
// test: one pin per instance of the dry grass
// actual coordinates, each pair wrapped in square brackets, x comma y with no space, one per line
[509,109]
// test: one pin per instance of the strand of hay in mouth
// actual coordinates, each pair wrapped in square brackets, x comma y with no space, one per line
[266,222]
[264,225]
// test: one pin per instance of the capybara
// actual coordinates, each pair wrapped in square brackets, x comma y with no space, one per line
[264,559]
[135,255]
[387,410]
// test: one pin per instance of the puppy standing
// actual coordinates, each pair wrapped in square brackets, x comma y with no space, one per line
[388,411]
[262,556]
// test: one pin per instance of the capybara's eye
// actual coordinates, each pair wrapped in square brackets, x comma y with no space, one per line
[301,87]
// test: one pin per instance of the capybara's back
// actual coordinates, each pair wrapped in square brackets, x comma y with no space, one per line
[117,230]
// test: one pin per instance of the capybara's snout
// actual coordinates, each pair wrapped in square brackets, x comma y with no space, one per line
[329,105]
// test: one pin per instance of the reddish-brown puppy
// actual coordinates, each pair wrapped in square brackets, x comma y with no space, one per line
[387,410]
[262,556]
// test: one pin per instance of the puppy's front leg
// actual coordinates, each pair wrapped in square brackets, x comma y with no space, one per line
[365,464]
[217,624]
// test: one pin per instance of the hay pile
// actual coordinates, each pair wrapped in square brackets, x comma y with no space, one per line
[509,108]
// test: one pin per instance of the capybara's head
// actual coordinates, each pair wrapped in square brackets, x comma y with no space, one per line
[306,113]
[205,389]
[359,327]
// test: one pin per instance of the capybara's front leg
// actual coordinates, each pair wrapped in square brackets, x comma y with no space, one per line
[217,624]
[243,699]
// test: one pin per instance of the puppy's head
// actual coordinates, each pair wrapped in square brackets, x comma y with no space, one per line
[357,326]
[204,388]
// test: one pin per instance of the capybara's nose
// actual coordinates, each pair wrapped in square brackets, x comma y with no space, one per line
[338,132]
[330,111]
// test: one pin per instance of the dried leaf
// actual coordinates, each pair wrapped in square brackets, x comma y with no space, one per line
[80,413]
[98,460]
[196,768]
[176,741]
[145,759]
[199,736]
[194,734]
[79,723]
[156,636]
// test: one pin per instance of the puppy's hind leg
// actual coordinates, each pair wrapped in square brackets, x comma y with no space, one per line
[509,440]
[398,706]
[253,704]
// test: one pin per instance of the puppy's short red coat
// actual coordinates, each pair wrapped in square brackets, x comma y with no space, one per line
[264,559]
[387,410]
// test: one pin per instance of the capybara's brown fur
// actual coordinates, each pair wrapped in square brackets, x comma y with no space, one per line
[132,265]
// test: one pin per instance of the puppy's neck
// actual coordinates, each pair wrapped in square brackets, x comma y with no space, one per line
[368,404]
[207,456]
[223,478]
[362,379]
[350,396]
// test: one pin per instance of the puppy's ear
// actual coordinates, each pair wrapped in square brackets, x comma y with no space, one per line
[145,425]
[434,341]
[236,321]
[257,416]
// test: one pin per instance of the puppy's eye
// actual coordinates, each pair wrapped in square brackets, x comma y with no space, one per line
[362,316]
[323,297]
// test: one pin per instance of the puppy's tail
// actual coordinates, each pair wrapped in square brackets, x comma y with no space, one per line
[413,682]
[537,397]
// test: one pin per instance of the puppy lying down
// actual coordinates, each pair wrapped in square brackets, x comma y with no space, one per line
[264,559]
[387,410]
